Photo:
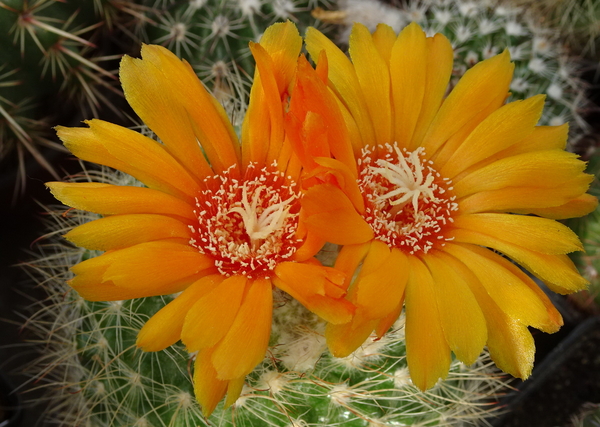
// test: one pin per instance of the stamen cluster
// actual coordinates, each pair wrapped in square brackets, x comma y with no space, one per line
[408,203]
[248,225]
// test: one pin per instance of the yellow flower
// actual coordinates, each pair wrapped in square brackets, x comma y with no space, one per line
[427,192]
[219,221]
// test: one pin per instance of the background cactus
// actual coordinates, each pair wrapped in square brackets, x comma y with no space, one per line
[95,376]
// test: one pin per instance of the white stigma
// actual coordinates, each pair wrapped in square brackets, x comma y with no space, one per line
[409,182]
[260,226]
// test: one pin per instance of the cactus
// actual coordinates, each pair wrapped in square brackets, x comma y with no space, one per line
[95,376]
[479,30]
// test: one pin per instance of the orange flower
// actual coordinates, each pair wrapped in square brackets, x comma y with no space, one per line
[428,192]
[218,221]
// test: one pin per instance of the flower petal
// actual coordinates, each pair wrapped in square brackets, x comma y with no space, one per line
[164,328]
[246,343]
[462,319]
[407,65]
[343,79]
[380,284]
[374,78]
[506,126]
[510,344]
[530,232]
[345,338]
[331,215]
[506,288]
[211,316]
[579,206]
[166,93]
[209,390]
[152,265]
[121,231]
[428,358]
[543,169]
[106,199]
[483,85]
[132,153]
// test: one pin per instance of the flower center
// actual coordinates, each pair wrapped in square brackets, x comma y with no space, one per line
[408,204]
[248,225]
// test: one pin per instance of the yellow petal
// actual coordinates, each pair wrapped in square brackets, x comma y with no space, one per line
[501,129]
[544,169]
[109,199]
[344,80]
[121,231]
[407,65]
[132,153]
[440,57]
[234,389]
[246,343]
[509,342]
[553,269]
[427,352]
[211,316]
[384,38]
[483,85]
[579,206]
[462,319]
[164,328]
[209,390]
[153,87]
[560,200]
[374,78]
[534,233]
[506,288]
[541,139]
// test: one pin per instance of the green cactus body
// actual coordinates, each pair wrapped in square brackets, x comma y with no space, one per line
[95,375]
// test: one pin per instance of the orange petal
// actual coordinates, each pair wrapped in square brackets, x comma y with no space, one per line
[349,258]
[121,231]
[384,38]
[246,343]
[164,328]
[234,389]
[132,153]
[152,265]
[380,284]
[427,352]
[212,315]
[345,338]
[166,93]
[344,80]
[209,390]
[462,319]
[331,215]
[108,199]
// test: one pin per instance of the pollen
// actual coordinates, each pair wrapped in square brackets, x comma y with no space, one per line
[247,224]
[409,205]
